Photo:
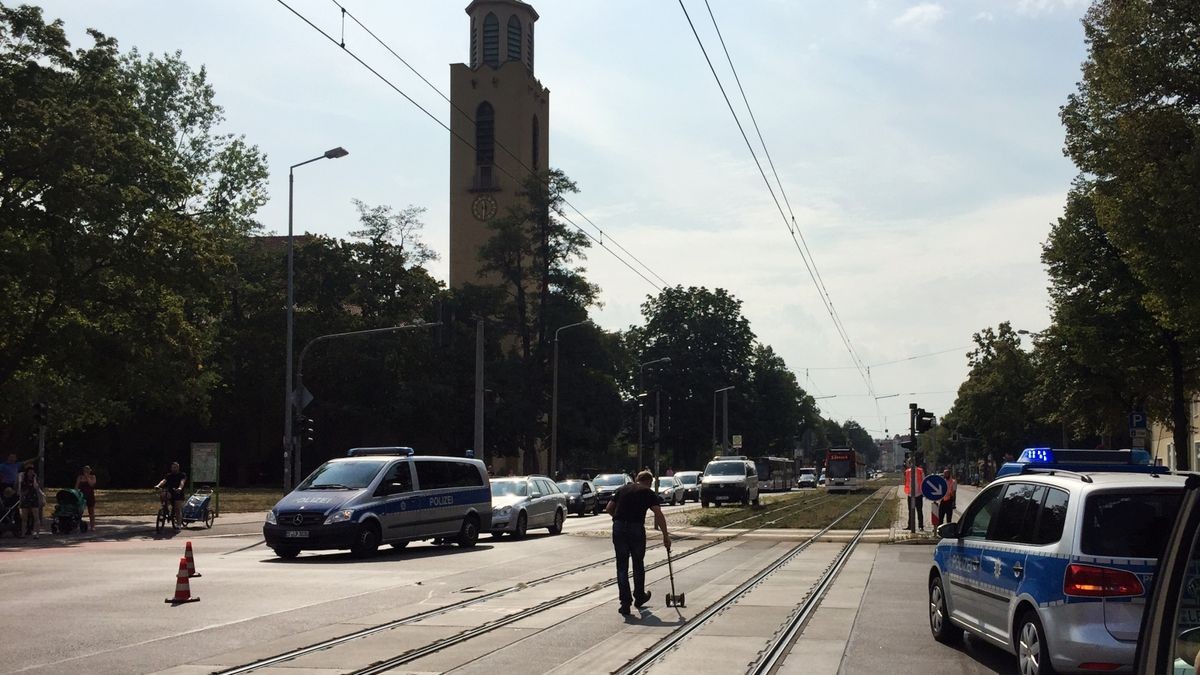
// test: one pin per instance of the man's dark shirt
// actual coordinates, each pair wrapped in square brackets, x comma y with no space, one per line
[633,500]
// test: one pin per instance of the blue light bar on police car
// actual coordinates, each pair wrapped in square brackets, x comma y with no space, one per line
[391,450]
[1070,459]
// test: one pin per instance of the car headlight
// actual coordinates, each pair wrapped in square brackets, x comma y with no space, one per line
[502,510]
[339,516]
[271,517]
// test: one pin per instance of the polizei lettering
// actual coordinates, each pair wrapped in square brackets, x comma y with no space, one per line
[447,500]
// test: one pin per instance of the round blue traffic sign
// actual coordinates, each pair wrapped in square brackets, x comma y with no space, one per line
[934,488]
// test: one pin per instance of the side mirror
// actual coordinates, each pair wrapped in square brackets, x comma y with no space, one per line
[948,531]
[534,495]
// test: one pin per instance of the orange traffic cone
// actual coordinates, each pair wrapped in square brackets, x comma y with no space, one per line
[183,591]
[191,561]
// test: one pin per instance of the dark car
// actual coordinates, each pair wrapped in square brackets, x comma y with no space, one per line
[1169,640]
[581,496]
[606,484]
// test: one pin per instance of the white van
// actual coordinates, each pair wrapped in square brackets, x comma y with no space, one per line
[382,496]
[729,479]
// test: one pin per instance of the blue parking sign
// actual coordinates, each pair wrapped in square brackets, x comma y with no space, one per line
[934,488]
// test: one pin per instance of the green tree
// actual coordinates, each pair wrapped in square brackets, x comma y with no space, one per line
[993,403]
[1133,129]
[710,345]
[779,409]
[119,208]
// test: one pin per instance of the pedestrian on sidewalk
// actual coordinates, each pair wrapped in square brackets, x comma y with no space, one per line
[915,502]
[628,510]
[85,482]
[946,506]
[10,471]
[32,501]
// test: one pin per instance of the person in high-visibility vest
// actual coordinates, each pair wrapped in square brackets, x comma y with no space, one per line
[946,506]
[915,502]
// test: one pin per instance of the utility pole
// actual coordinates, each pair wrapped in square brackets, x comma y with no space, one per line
[913,495]
[479,447]
[725,428]
[657,427]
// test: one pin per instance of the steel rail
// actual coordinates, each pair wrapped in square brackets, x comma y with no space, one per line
[414,618]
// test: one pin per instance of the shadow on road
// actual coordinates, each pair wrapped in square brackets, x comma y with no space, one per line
[384,555]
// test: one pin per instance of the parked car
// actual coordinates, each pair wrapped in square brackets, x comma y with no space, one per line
[525,502]
[690,480]
[806,479]
[729,479]
[381,496]
[606,484]
[1169,639]
[581,496]
[1052,561]
[669,491]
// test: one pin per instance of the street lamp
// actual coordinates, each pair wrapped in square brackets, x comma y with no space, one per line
[714,417]
[289,402]
[641,368]
[554,398]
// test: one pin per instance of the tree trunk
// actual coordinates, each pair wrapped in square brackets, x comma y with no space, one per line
[1181,422]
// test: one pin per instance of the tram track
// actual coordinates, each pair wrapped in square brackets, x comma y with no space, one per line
[777,647]
[439,645]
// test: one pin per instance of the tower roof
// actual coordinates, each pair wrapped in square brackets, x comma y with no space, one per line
[512,3]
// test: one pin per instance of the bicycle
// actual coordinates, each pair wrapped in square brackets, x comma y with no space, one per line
[166,512]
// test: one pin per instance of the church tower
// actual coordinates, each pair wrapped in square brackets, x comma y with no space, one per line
[505,114]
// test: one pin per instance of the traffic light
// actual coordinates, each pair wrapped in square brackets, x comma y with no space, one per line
[924,420]
[41,413]
[910,444]
[308,431]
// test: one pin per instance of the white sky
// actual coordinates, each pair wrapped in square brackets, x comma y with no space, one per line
[918,144]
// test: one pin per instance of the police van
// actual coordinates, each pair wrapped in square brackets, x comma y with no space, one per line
[1054,559]
[382,496]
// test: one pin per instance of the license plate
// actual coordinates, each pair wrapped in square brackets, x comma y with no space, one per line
[720,498]
[297,534]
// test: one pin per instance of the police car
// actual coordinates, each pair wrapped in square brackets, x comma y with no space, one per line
[1053,560]
[382,496]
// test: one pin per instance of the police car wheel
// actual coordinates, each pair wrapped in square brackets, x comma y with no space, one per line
[1033,654]
[522,526]
[366,541]
[939,618]
[286,552]
[469,534]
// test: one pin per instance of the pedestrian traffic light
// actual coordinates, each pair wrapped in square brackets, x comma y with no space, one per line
[308,431]
[924,420]
[41,413]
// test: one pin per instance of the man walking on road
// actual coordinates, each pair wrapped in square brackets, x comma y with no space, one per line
[628,510]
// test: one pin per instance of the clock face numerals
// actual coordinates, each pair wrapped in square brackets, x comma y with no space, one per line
[483,208]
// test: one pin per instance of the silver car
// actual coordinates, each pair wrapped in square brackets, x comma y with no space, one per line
[670,491]
[524,502]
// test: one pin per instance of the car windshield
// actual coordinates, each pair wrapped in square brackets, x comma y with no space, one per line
[572,486]
[509,488]
[808,474]
[343,475]
[725,469]
[1128,524]
[689,479]
[610,480]
[666,483]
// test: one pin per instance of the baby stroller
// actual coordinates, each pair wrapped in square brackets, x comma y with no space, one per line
[198,507]
[69,509]
[10,512]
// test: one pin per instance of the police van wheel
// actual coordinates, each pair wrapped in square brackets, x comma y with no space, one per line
[522,525]
[939,618]
[366,541]
[556,528]
[1033,654]
[287,552]
[469,534]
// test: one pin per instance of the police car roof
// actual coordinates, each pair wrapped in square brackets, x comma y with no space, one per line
[397,451]
[1087,462]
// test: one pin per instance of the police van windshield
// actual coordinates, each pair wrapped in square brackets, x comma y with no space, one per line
[610,479]
[509,488]
[1128,524]
[343,475]
[725,469]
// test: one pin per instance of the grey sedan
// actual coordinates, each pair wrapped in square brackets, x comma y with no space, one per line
[525,502]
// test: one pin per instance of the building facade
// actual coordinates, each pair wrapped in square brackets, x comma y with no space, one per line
[500,122]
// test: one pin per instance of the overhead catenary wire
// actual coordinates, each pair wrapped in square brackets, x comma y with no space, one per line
[515,157]
[793,231]
[459,137]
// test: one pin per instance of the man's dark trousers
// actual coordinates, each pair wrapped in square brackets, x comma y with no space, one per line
[916,503]
[629,539]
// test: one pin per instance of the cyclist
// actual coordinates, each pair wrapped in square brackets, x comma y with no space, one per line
[172,488]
